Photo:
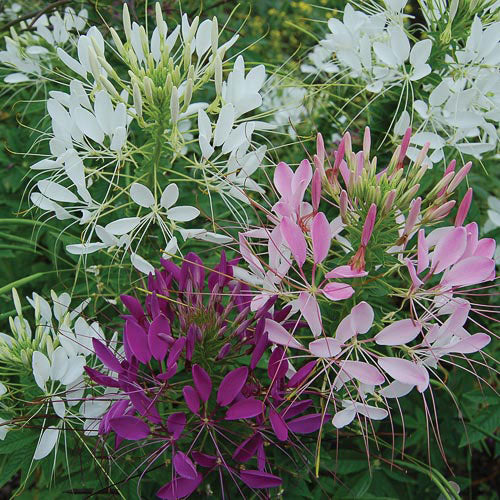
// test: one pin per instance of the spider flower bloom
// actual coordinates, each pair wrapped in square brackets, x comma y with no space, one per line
[192,349]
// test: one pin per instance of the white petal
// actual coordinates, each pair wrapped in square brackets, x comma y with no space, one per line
[122,226]
[203,37]
[71,63]
[204,124]
[183,213]
[420,52]
[142,195]
[169,196]
[88,124]
[206,149]
[59,406]
[75,370]
[41,369]
[56,192]
[343,417]
[46,443]
[16,78]
[84,248]
[224,124]
[400,44]
[141,264]
[104,111]
[60,363]
[119,139]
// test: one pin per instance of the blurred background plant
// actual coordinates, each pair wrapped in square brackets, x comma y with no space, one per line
[308,90]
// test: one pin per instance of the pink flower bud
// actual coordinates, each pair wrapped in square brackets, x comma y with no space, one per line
[459,177]
[404,147]
[463,209]
[339,154]
[320,148]
[367,143]
[413,214]
[442,211]
[316,189]
[389,201]
[368,226]
[343,205]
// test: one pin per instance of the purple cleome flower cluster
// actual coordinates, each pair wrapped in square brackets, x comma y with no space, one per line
[188,382]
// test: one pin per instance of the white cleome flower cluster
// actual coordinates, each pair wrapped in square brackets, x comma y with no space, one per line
[190,120]
[457,105]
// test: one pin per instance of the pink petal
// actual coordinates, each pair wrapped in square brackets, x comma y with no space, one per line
[449,249]
[396,389]
[301,180]
[369,224]
[398,333]
[406,371]
[321,237]
[365,373]
[469,272]
[485,248]
[345,330]
[283,176]
[309,308]
[325,347]
[338,291]
[295,239]
[344,272]
[245,408]
[202,382]
[316,189]
[423,252]
[470,344]
[278,335]
[362,317]
[343,417]
[416,281]
[231,385]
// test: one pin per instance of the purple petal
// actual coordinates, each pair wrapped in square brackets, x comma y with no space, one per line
[202,382]
[278,364]
[296,409]
[179,488]
[100,378]
[307,423]
[176,423]
[301,374]
[295,238]
[134,306]
[259,479]
[137,340]
[184,467]
[406,371]
[106,356]
[203,459]
[365,373]
[128,427]
[175,351]
[321,237]
[398,333]
[278,425]
[231,385]
[247,449]
[192,399]
[158,344]
[245,408]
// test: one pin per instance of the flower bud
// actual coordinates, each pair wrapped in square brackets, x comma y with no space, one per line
[174,105]
[137,99]
[214,35]
[127,27]
[441,211]
[459,177]
[148,88]
[218,75]
[343,206]
[17,302]
[118,43]
[366,144]
[463,209]
[188,94]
